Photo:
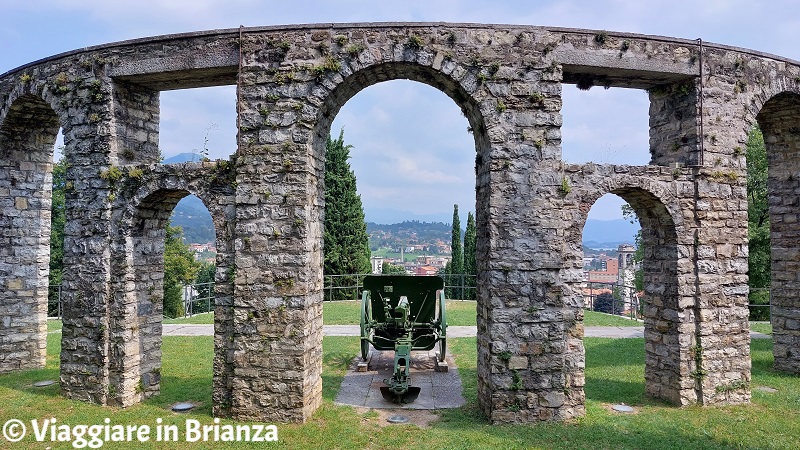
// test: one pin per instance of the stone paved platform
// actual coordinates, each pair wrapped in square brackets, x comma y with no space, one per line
[438,390]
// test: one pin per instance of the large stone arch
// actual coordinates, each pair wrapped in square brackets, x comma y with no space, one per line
[297,116]
[460,82]
[779,120]
[669,329]
[142,210]
[27,133]
[291,81]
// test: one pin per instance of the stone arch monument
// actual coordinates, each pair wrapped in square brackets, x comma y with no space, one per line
[267,206]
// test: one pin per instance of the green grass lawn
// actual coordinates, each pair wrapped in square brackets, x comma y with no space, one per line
[761,327]
[598,319]
[205,318]
[614,374]
[459,313]
[53,324]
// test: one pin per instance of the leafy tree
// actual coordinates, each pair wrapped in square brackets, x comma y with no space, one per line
[392,269]
[606,303]
[205,274]
[758,224]
[638,256]
[180,268]
[470,264]
[57,219]
[345,238]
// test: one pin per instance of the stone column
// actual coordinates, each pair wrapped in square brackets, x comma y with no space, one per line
[87,236]
[704,324]
[530,349]
[137,253]
[276,345]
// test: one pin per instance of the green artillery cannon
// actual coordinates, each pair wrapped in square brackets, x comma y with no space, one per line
[402,313]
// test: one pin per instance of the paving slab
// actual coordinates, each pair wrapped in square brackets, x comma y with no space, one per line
[438,390]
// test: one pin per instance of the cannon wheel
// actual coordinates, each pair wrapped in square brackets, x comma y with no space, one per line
[365,316]
[443,325]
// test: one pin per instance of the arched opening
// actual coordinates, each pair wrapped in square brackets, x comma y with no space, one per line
[27,135]
[57,222]
[779,120]
[401,119]
[409,141]
[159,265]
[667,320]
[611,261]
[613,294]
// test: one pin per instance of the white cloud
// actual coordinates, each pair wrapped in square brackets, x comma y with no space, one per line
[402,130]
[190,116]
[605,126]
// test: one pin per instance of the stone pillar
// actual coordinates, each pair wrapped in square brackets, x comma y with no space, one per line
[137,261]
[27,134]
[136,122]
[702,324]
[668,318]
[87,236]
[673,124]
[530,348]
[275,354]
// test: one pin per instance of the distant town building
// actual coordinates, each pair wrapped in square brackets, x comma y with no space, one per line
[426,270]
[377,264]
[614,274]
[609,274]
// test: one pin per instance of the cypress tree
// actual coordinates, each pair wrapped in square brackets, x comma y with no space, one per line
[456,265]
[470,264]
[457,262]
[345,238]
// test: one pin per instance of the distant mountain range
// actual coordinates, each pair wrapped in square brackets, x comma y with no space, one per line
[182,157]
[389,216]
[608,234]
[192,215]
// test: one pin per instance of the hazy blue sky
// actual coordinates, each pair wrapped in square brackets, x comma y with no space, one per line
[411,150]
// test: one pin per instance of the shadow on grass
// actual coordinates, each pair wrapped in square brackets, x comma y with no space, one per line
[612,431]
[23,382]
[176,389]
[615,371]
[608,352]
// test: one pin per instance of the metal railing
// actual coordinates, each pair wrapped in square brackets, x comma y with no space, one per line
[197,298]
[54,300]
[632,308]
[460,286]
[759,304]
[200,297]
[343,287]
[349,287]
